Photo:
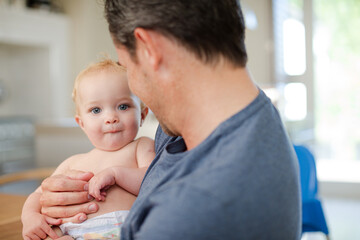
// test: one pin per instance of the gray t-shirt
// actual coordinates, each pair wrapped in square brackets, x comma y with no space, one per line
[242,182]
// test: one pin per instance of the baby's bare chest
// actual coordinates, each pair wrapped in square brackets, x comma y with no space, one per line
[96,161]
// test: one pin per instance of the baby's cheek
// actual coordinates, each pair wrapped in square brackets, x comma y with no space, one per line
[135,125]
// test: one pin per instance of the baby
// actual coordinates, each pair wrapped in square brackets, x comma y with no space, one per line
[110,115]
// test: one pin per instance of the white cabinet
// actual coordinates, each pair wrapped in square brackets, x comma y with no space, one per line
[34,64]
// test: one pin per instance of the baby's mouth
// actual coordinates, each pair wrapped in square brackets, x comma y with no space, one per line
[113,131]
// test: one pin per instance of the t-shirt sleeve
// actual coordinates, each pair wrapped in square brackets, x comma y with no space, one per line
[175,217]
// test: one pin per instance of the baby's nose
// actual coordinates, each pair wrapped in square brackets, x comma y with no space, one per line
[112,119]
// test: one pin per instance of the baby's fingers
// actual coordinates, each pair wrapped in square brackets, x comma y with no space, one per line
[94,191]
[66,237]
[37,233]
[100,197]
[33,237]
[50,232]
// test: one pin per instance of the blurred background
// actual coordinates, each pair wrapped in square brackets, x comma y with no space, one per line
[304,53]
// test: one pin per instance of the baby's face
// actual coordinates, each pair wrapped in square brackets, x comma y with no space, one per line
[108,112]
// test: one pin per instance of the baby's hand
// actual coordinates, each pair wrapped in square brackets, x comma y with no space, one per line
[36,226]
[99,183]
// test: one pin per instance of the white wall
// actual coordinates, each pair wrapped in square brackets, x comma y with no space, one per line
[259,42]
[89,33]
[25,81]
[34,57]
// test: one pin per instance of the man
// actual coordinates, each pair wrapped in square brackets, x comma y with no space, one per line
[224,168]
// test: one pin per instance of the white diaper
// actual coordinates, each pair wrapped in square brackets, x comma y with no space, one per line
[106,226]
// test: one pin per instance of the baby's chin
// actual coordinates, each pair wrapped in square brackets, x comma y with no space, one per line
[112,148]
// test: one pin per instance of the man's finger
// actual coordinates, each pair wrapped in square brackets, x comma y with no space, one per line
[70,211]
[79,175]
[53,221]
[64,198]
[78,218]
[61,183]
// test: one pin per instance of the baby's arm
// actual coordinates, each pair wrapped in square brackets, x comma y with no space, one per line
[128,178]
[36,225]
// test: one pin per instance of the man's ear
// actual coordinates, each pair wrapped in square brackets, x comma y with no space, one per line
[79,121]
[144,113]
[147,47]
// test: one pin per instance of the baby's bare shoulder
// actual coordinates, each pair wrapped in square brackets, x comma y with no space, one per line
[67,164]
[145,141]
[142,142]
[78,161]
[77,157]
[145,151]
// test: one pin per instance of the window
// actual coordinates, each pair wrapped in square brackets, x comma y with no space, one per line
[317,63]
[292,72]
[337,87]
[294,47]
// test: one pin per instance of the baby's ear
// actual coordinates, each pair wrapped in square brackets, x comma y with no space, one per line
[79,121]
[144,113]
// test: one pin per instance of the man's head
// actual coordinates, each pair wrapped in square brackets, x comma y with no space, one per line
[156,39]
[107,111]
[210,29]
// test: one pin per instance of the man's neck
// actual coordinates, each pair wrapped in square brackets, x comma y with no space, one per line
[214,96]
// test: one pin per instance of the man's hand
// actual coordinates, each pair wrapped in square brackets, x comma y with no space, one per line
[61,192]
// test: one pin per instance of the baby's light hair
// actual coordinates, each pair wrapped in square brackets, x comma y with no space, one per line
[105,64]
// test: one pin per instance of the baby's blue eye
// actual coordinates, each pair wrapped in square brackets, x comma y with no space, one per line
[96,110]
[123,107]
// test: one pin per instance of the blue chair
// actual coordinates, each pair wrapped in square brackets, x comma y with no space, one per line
[313,219]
